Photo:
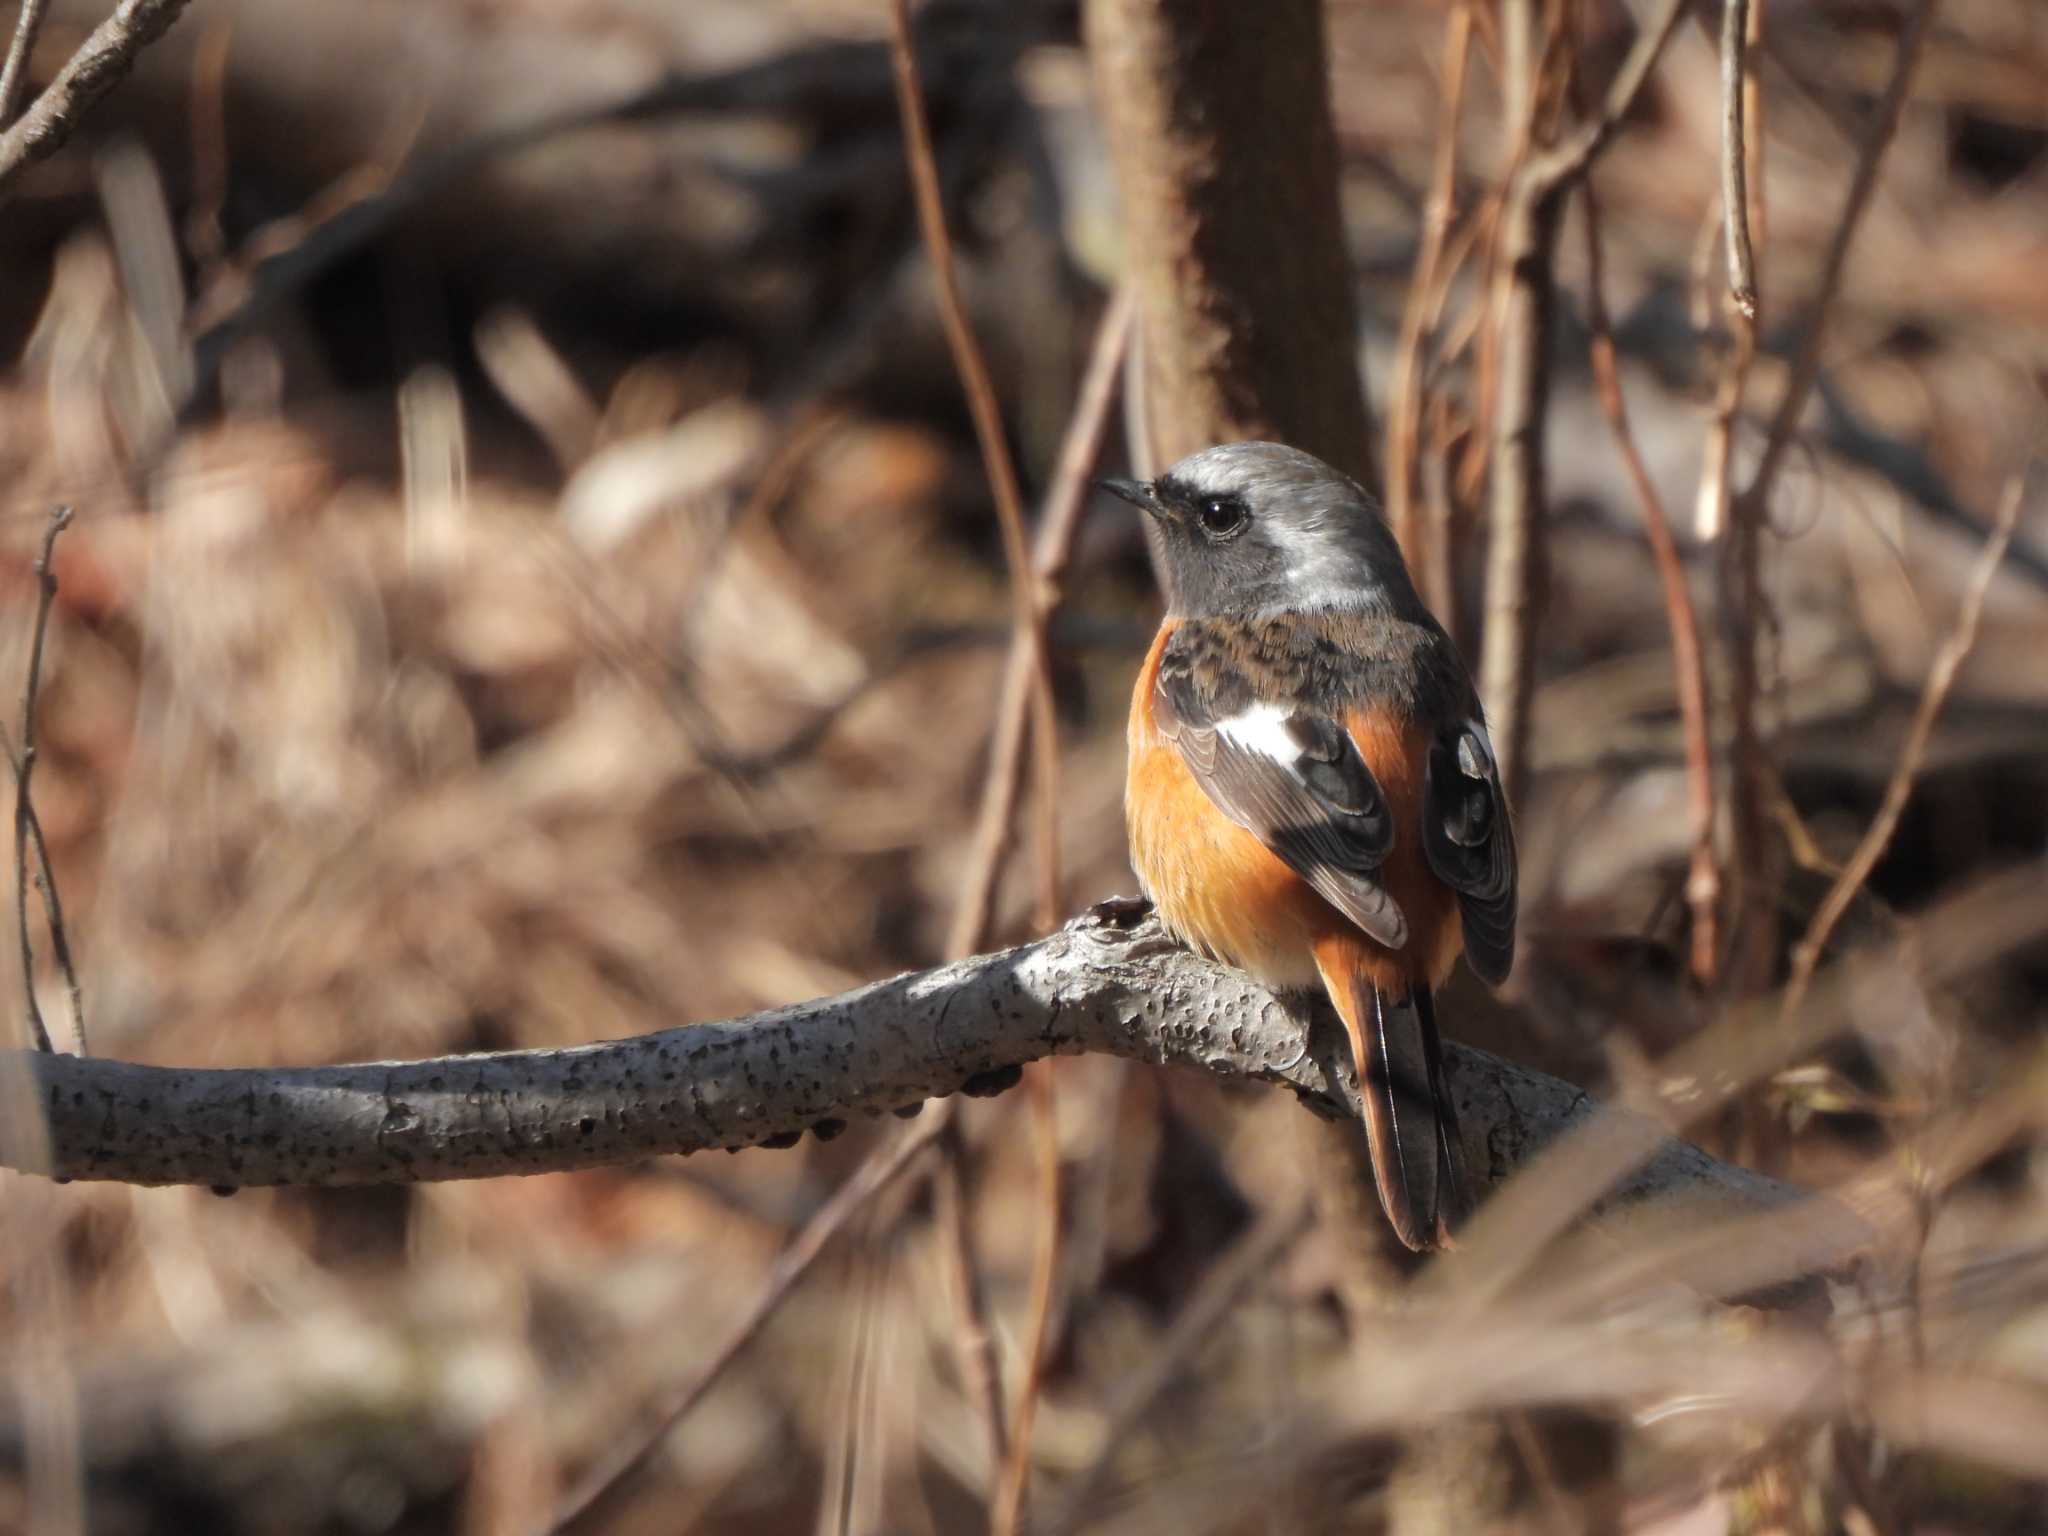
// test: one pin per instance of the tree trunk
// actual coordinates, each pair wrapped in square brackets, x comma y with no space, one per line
[1219,122]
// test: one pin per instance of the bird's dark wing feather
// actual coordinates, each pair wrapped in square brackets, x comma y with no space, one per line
[1292,778]
[1470,843]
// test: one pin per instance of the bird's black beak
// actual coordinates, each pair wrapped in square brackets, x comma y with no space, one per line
[1136,492]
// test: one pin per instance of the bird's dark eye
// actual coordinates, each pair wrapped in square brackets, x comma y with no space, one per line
[1223,516]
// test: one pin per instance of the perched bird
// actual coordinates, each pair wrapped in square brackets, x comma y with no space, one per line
[1311,794]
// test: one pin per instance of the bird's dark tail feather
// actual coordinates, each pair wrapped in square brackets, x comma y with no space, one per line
[1409,1119]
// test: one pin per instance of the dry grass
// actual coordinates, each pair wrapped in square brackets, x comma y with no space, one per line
[629,656]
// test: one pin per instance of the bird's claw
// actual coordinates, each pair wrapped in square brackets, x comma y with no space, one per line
[1121,912]
[1110,921]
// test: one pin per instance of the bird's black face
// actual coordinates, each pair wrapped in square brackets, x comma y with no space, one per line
[1257,528]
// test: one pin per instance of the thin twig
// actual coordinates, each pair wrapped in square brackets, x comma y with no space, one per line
[1404,415]
[1141,440]
[1806,368]
[1711,502]
[100,63]
[1757,222]
[1745,615]
[1029,610]
[1523,276]
[1091,1187]
[1699,267]
[1519,58]
[53,910]
[1446,422]
[46,1366]
[973,1340]
[15,74]
[1249,1260]
[1514,538]
[854,1450]
[988,430]
[1438,578]
[60,936]
[1513,405]
[1697,1081]
[1688,663]
[1734,156]
[1059,521]
[1015,1478]
[1575,153]
[1941,676]
[206,241]
[790,1266]
[1479,333]
[1744,609]
[1476,234]
[24,816]
[39,1034]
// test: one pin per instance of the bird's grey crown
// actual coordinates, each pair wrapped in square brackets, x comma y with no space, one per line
[1315,540]
[1256,468]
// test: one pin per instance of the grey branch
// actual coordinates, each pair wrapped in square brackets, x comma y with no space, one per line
[1104,983]
[100,63]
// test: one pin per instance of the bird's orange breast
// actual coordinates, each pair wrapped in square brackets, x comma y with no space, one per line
[1223,892]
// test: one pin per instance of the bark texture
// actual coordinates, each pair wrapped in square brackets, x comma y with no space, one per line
[1219,121]
[1102,983]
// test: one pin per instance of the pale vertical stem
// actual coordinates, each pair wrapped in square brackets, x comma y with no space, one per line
[1404,424]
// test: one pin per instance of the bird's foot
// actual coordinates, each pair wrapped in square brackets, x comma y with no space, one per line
[1120,912]
[1122,920]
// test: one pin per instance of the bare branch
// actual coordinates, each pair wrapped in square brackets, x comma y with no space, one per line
[1531,210]
[1251,1259]
[15,74]
[790,1266]
[1097,985]
[1013,1478]
[28,828]
[1058,522]
[1755,223]
[1514,534]
[1574,155]
[988,430]
[1404,411]
[973,1340]
[100,64]
[1688,657]
[1806,368]
[1735,158]
[1941,676]
[1029,610]
[1753,865]
[1710,501]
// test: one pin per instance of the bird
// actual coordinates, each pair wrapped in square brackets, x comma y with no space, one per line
[1310,793]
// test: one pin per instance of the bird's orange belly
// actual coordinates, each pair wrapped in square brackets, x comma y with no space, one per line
[1215,885]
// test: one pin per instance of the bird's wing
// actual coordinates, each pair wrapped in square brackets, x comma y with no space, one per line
[1470,842]
[1291,777]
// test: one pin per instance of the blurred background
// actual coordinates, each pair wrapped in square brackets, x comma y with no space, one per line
[532,580]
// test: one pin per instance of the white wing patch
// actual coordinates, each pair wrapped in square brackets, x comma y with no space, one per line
[1263,729]
[1475,752]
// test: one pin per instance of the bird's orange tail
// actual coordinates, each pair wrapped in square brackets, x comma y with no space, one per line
[1409,1119]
